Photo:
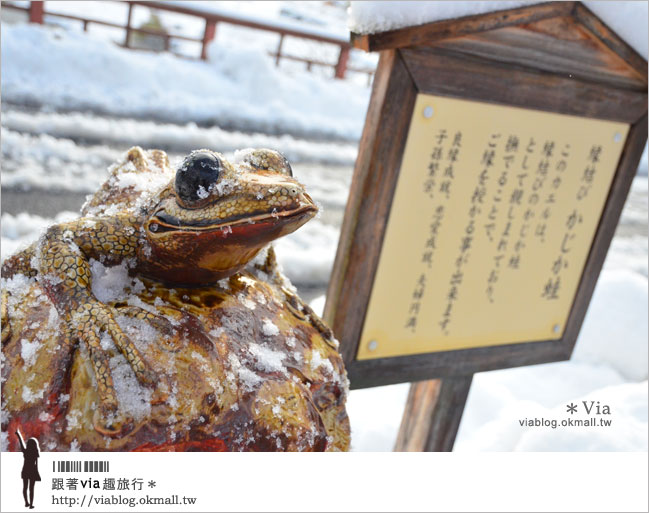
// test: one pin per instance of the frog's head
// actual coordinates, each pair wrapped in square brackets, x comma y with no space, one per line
[216,216]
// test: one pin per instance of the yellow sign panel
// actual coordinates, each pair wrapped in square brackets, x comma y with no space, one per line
[491,224]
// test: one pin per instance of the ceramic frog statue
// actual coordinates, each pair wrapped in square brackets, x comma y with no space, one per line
[167,284]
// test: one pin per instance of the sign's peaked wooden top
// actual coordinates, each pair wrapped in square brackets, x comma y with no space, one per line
[563,38]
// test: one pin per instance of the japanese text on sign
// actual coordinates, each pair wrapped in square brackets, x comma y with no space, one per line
[491,224]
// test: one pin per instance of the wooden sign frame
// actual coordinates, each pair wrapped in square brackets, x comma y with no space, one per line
[465,59]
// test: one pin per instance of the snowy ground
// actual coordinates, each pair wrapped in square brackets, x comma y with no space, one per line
[56,146]
[71,151]
[238,88]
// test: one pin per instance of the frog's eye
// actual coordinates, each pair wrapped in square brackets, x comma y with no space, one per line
[268,160]
[198,172]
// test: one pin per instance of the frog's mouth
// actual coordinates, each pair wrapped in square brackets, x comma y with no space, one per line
[163,222]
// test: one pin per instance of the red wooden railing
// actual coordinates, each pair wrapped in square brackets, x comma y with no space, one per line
[36,11]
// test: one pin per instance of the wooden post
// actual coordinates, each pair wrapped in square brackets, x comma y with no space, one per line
[432,415]
[36,10]
[208,37]
[279,50]
[85,25]
[128,26]
[341,65]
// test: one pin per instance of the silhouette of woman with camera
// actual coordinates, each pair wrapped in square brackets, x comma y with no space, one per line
[30,473]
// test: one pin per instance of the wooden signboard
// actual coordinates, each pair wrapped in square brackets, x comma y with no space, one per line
[497,154]
[498,207]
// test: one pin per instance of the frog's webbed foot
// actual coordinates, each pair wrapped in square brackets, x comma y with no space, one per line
[162,324]
[88,323]
[169,329]
[170,339]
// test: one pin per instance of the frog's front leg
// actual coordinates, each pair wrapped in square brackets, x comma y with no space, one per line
[64,273]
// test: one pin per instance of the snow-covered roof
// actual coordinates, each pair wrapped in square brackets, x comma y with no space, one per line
[326,29]
[627,18]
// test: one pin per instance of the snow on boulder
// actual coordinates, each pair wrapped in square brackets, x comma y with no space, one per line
[614,332]
[627,18]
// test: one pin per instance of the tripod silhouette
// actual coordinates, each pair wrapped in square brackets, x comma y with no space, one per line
[29,473]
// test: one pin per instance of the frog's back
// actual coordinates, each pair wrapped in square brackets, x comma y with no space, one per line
[137,175]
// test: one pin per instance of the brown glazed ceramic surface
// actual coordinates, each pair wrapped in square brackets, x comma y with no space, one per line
[111,342]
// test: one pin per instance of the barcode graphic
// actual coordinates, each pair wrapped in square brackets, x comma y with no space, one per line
[76,466]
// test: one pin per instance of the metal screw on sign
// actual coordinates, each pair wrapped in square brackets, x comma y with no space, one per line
[428,112]
[556,328]
[373,344]
[617,137]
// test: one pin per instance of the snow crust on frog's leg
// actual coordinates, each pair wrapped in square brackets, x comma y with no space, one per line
[65,274]
[157,321]
[85,319]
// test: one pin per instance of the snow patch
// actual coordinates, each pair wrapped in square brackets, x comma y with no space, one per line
[143,182]
[268,328]
[248,380]
[134,399]
[29,351]
[110,283]
[615,328]
[318,361]
[29,396]
[627,19]
[267,359]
